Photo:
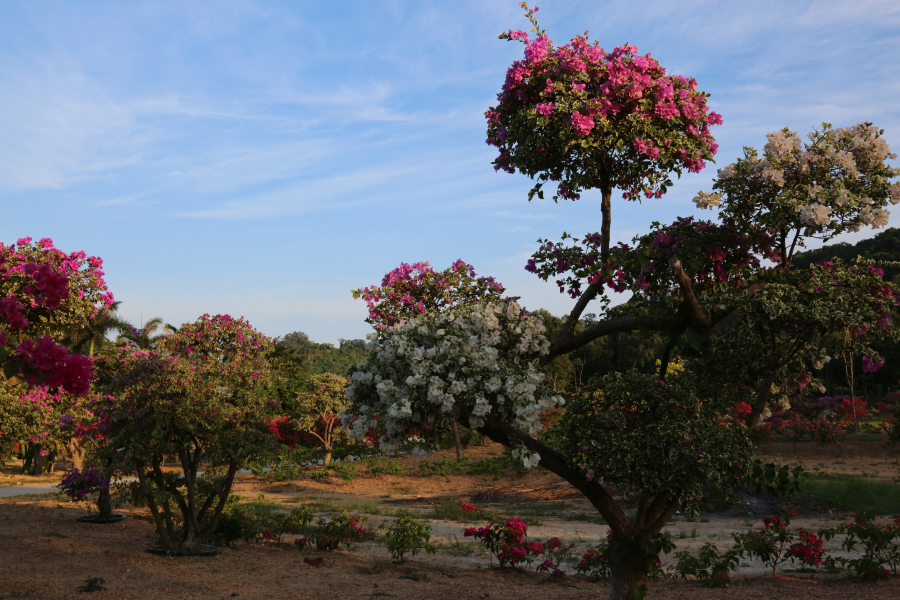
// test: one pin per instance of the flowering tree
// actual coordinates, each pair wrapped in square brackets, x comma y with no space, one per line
[748,331]
[44,294]
[413,290]
[202,401]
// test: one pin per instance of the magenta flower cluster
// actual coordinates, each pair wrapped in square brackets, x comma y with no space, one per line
[77,484]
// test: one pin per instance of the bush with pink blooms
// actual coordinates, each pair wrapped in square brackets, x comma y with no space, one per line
[45,295]
[777,543]
[205,402]
[506,541]
[877,547]
[342,530]
[412,290]
[581,117]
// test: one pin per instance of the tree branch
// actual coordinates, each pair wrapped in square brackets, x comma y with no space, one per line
[563,344]
[699,319]
[556,463]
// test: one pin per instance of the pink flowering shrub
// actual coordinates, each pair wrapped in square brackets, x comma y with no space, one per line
[877,547]
[341,530]
[586,118]
[507,542]
[207,403]
[78,484]
[777,543]
[412,290]
[595,562]
[556,553]
[43,291]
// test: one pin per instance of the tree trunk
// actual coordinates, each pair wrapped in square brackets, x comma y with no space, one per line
[456,439]
[104,502]
[628,569]
[76,454]
[35,464]
[327,460]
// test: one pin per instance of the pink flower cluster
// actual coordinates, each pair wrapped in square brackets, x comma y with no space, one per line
[809,550]
[508,542]
[51,365]
[614,87]
[413,289]
[49,287]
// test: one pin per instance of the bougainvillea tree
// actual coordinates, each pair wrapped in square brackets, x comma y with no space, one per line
[413,290]
[202,400]
[45,294]
[747,327]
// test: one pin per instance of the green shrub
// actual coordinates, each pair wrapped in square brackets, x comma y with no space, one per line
[346,469]
[405,536]
[343,529]
[875,545]
[709,566]
[378,465]
[445,467]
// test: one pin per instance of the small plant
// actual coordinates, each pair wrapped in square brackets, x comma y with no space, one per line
[405,536]
[595,562]
[444,467]
[379,465]
[93,584]
[507,542]
[875,545]
[556,554]
[777,544]
[712,568]
[346,469]
[343,529]
[779,481]
[320,474]
[79,484]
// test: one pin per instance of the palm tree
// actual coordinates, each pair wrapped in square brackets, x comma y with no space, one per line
[92,335]
[143,337]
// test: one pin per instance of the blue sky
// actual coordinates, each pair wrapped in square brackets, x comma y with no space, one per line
[263,158]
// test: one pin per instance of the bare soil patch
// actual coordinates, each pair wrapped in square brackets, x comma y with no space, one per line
[45,553]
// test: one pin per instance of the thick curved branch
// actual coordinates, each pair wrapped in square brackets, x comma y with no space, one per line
[592,291]
[555,463]
[563,343]
[699,320]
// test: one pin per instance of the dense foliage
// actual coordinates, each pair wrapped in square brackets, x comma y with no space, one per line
[203,401]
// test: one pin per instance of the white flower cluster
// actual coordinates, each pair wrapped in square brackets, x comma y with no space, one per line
[529,459]
[782,142]
[472,363]
[815,214]
[819,359]
[706,200]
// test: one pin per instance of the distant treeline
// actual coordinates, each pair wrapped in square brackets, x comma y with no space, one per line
[623,350]
[884,246]
[322,358]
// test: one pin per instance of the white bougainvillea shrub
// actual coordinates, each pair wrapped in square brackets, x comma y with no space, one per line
[837,181]
[474,364]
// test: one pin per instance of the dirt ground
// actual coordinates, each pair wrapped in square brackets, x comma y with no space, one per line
[865,459]
[45,553]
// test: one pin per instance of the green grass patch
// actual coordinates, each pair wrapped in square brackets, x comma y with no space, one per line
[855,494]
[449,510]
